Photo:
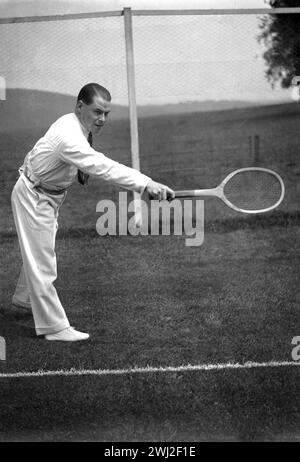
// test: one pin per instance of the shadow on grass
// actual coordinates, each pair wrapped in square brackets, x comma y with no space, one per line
[16,323]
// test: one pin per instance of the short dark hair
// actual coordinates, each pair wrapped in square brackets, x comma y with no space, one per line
[90,90]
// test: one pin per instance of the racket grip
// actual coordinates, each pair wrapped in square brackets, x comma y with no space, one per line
[186,193]
[213,192]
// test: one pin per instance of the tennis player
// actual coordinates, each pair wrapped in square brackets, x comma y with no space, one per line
[63,154]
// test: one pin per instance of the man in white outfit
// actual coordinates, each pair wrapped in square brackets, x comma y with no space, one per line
[49,169]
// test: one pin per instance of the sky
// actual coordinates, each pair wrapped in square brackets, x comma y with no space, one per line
[177,58]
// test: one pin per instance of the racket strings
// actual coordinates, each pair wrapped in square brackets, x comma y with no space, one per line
[253,190]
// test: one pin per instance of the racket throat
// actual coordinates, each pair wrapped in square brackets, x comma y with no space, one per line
[213,192]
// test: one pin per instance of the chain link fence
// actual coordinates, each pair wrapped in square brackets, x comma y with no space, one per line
[220,112]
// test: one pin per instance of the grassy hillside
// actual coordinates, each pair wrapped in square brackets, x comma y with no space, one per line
[29,109]
[185,151]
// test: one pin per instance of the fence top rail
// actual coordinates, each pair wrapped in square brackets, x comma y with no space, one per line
[103,14]
[216,11]
[60,17]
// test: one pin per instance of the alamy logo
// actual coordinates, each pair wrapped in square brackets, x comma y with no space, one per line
[296,88]
[2,89]
[2,349]
[296,349]
[296,80]
[115,220]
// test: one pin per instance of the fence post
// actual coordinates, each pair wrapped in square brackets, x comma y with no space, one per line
[254,149]
[250,147]
[134,135]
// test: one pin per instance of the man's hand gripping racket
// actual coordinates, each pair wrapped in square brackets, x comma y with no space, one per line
[159,191]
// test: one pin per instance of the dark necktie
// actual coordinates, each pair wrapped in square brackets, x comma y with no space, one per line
[83,177]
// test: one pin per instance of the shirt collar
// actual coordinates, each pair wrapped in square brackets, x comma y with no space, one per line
[84,130]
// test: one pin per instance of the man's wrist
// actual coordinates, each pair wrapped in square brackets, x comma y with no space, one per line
[148,183]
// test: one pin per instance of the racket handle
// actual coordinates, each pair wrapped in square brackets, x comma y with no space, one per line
[215,192]
[187,193]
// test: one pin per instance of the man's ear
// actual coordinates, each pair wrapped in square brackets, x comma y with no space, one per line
[79,104]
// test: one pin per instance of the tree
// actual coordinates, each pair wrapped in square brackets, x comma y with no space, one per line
[280,33]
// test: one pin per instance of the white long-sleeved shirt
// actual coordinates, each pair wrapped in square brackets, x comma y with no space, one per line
[57,156]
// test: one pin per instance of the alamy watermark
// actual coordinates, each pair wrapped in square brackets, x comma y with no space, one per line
[296,349]
[2,349]
[156,217]
[2,88]
[296,88]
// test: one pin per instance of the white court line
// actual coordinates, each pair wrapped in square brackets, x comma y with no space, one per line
[149,369]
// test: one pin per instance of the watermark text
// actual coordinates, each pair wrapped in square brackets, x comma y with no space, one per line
[296,349]
[2,349]
[157,217]
[2,88]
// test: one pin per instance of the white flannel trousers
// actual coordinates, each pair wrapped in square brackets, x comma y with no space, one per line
[35,215]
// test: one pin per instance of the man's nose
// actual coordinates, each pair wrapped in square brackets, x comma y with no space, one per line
[102,117]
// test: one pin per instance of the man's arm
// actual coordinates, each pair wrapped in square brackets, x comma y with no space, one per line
[90,161]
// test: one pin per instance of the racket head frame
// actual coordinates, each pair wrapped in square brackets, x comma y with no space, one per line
[219,190]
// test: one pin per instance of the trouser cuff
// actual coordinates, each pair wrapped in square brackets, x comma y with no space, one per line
[53,329]
[15,301]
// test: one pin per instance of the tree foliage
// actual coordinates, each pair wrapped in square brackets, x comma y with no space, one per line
[280,34]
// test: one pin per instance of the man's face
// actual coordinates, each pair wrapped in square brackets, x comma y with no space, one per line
[93,116]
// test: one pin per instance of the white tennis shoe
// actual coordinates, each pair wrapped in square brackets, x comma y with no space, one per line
[67,335]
